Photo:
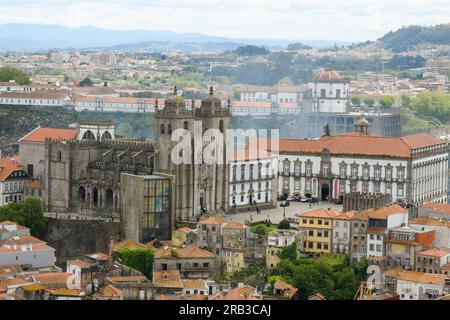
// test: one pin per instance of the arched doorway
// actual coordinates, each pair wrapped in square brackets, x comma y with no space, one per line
[109,198]
[325,191]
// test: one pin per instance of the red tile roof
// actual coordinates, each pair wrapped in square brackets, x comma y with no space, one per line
[40,134]
[359,144]
[435,252]
[7,167]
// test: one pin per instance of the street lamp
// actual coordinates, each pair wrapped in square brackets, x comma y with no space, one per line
[284,213]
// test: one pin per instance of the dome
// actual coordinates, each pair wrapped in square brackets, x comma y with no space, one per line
[175,100]
[211,100]
[328,75]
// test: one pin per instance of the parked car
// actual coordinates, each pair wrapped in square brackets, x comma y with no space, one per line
[285,203]
[291,198]
[303,199]
[339,201]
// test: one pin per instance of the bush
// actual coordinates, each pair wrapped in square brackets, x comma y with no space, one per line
[29,214]
[139,259]
[284,224]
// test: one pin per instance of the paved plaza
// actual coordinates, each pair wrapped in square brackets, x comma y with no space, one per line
[275,215]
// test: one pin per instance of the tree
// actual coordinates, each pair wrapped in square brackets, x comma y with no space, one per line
[8,73]
[260,229]
[289,252]
[387,101]
[369,102]
[406,101]
[433,104]
[139,259]
[356,101]
[28,213]
[284,224]
[250,50]
[86,83]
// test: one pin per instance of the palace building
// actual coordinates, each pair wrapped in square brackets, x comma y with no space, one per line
[412,168]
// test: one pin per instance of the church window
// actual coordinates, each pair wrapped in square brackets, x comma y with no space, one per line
[185,125]
[169,129]
[162,129]
[221,126]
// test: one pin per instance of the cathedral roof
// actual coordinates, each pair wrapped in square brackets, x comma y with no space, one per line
[40,134]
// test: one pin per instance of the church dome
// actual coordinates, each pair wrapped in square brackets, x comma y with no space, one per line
[175,100]
[328,75]
[211,100]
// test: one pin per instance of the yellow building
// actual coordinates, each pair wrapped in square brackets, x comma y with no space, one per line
[233,259]
[317,225]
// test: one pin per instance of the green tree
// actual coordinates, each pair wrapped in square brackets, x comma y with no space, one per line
[86,83]
[369,102]
[387,101]
[284,224]
[433,104]
[28,213]
[139,259]
[8,73]
[289,252]
[260,229]
[406,101]
[356,101]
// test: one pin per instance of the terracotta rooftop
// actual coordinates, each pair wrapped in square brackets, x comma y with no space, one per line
[288,289]
[442,208]
[235,225]
[7,167]
[320,213]
[81,263]
[128,244]
[430,221]
[40,134]
[194,284]
[346,215]
[109,291]
[128,279]
[384,212]
[358,143]
[328,75]
[213,220]
[52,278]
[167,279]
[435,252]
[189,252]
[185,230]
[241,293]
[414,276]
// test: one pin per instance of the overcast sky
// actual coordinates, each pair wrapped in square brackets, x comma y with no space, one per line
[349,20]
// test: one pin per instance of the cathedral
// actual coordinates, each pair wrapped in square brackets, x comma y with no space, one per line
[96,175]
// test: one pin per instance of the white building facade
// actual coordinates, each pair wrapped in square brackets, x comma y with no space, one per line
[330,167]
[330,92]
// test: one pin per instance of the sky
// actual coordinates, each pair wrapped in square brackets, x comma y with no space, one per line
[346,20]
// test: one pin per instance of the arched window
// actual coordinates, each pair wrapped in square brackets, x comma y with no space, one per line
[88,135]
[185,125]
[221,126]
[106,136]
[82,193]
[95,197]
[162,129]
[109,198]
[169,129]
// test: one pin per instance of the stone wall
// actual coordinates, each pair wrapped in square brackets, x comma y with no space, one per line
[71,238]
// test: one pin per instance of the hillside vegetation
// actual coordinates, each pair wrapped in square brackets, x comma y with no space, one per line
[406,38]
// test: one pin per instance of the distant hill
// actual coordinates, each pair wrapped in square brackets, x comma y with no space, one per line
[22,36]
[409,37]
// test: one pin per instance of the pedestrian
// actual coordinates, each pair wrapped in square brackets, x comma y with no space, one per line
[251,218]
